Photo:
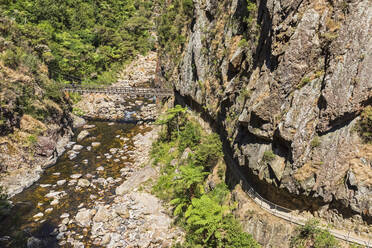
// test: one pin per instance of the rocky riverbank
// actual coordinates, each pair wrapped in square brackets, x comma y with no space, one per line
[130,218]
[32,147]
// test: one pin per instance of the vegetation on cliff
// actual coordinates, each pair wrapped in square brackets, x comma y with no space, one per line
[170,27]
[365,125]
[187,156]
[80,39]
[310,235]
[24,81]
[44,44]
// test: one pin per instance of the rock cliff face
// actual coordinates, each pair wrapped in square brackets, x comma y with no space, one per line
[285,82]
[35,121]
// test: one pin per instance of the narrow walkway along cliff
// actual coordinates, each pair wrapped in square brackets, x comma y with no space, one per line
[233,123]
[287,85]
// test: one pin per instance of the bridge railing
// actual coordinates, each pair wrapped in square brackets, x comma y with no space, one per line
[120,90]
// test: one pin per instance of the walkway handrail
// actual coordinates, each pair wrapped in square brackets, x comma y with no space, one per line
[285,213]
[120,90]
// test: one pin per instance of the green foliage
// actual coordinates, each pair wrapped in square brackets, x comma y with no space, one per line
[210,224]
[219,193]
[303,82]
[315,142]
[175,15]
[204,216]
[311,232]
[75,97]
[209,151]
[364,127]
[243,43]
[268,156]
[53,91]
[173,119]
[32,139]
[171,115]
[252,9]
[11,59]
[80,39]
[189,136]
[77,111]
[323,239]
[244,94]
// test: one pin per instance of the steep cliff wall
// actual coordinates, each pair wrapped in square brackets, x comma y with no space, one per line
[285,82]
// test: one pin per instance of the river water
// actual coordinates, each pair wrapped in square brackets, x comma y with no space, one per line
[22,223]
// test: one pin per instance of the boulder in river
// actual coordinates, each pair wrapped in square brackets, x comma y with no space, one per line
[89,126]
[82,135]
[61,182]
[48,210]
[75,176]
[54,194]
[83,183]
[136,180]
[64,215]
[95,144]
[102,215]
[77,147]
[38,215]
[84,217]
[77,121]
[72,156]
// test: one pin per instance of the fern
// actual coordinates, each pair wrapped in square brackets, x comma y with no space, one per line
[204,216]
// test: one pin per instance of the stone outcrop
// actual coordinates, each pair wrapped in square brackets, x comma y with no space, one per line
[284,83]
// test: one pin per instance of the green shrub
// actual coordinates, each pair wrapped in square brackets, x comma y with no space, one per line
[244,94]
[32,139]
[323,239]
[364,127]
[77,111]
[78,39]
[268,156]
[252,9]
[303,82]
[209,151]
[189,136]
[11,59]
[203,218]
[311,232]
[174,119]
[31,61]
[53,91]
[208,222]
[315,142]
[243,43]
[75,97]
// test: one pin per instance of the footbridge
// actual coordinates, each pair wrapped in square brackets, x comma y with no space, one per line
[125,91]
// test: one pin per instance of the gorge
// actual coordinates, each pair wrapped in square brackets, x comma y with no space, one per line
[284,84]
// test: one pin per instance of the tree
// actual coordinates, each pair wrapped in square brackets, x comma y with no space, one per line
[174,117]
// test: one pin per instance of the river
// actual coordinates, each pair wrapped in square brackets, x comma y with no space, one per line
[34,214]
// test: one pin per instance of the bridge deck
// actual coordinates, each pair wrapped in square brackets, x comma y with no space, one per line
[131,91]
